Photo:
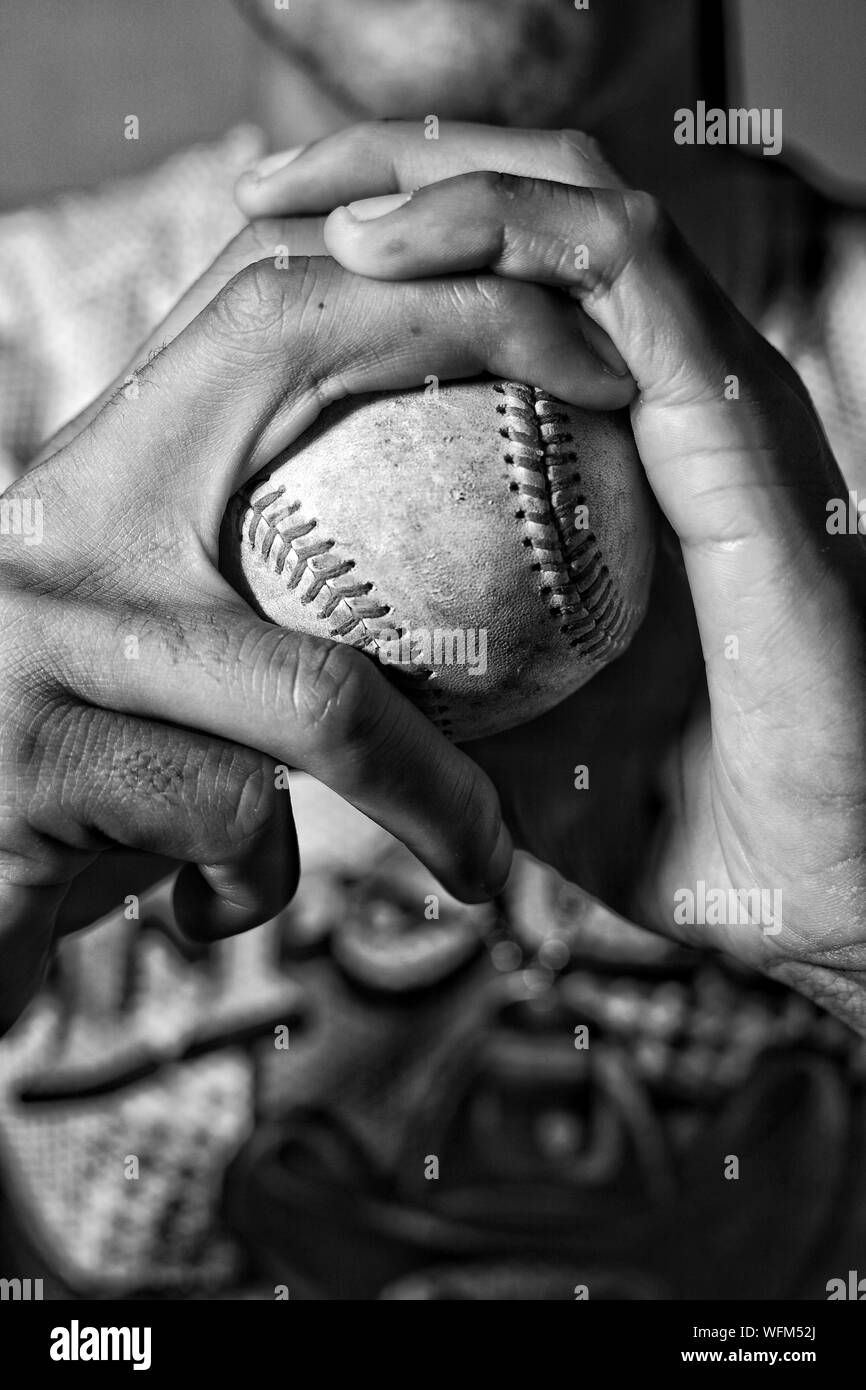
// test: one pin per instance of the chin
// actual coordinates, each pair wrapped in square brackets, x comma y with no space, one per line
[510,62]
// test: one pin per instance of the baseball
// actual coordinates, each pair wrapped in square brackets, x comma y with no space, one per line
[489,545]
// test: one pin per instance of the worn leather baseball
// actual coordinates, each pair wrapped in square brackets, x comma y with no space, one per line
[489,545]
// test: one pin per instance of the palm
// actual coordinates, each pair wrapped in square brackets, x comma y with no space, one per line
[603,837]
[665,805]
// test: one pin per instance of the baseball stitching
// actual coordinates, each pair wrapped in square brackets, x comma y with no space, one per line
[572,577]
[286,542]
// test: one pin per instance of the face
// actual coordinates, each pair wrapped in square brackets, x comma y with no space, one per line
[508,62]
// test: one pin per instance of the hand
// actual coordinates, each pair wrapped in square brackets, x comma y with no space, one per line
[142,703]
[728,746]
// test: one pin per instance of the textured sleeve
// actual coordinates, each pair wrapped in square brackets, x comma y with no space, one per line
[86,277]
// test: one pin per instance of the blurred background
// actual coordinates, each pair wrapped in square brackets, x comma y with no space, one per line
[70,70]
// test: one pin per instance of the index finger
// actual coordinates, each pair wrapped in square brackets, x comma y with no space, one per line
[381,157]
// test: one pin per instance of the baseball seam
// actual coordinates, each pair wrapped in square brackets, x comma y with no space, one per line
[574,581]
[287,543]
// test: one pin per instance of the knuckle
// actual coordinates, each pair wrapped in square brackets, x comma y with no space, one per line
[149,774]
[265,303]
[493,294]
[483,304]
[632,223]
[261,664]
[644,217]
[336,695]
[236,787]
[80,763]
[493,183]
[252,302]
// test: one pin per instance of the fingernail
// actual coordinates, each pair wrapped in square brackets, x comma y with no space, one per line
[601,346]
[499,867]
[273,163]
[368,209]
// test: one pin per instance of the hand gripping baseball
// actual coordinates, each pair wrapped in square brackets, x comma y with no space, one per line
[142,703]
[728,746]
